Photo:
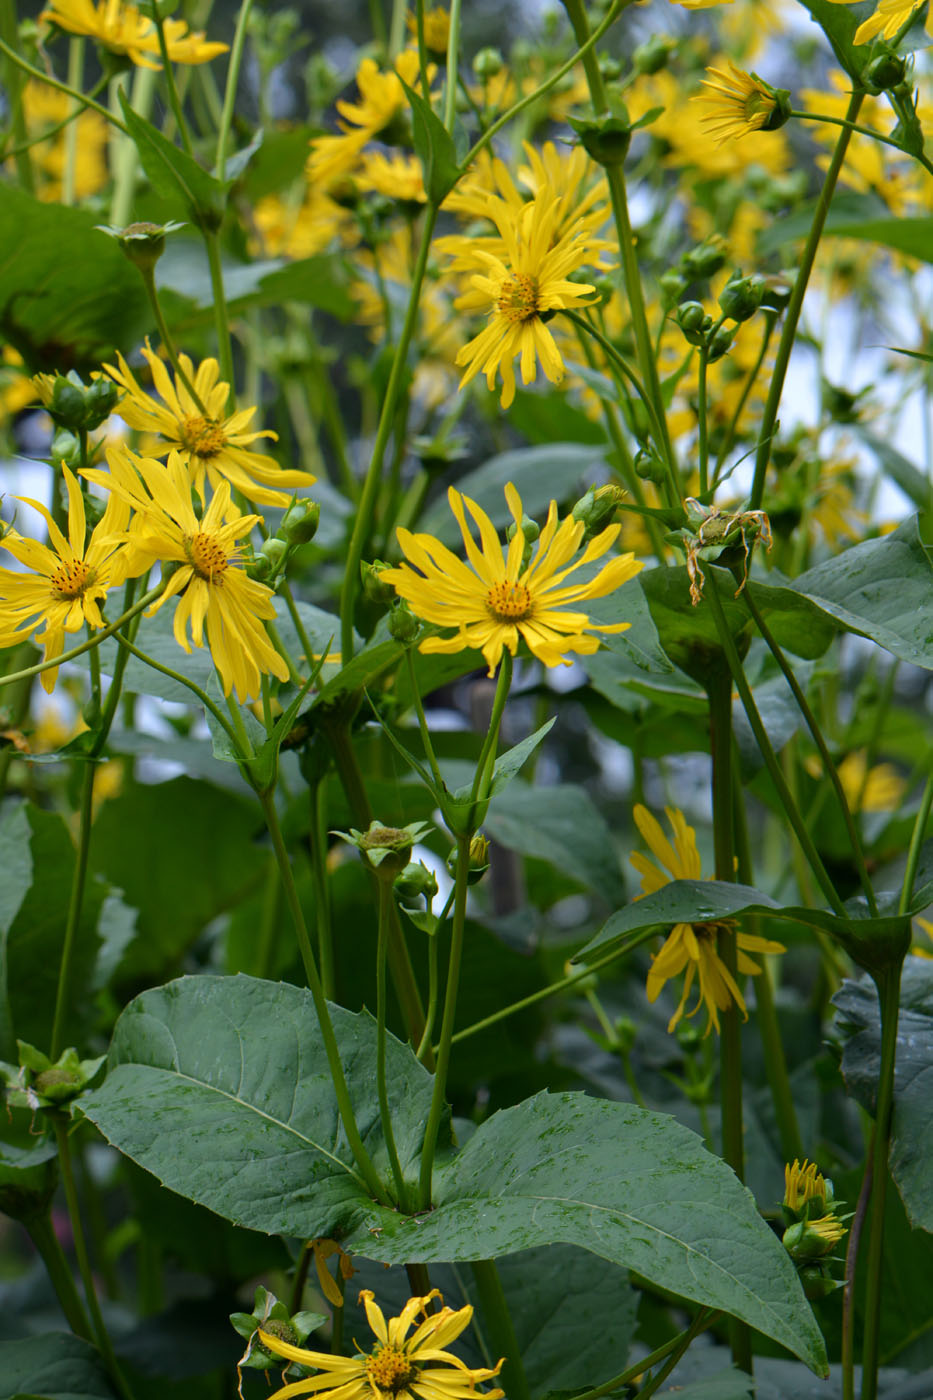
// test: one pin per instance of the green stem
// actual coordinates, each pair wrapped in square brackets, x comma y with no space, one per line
[795,305]
[847,1346]
[64,991]
[501,1331]
[730,1039]
[703,426]
[9,31]
[102,1336]
[70,139]
[42,1233]
[728,443]
[889,989]
[66,123]
[385,1113]
[341,1091]
[422,722]
[144,85]
[453,59]
[195,689]
[165,336]
[487,757]
[43,77]
[828,766]
[699,1323]
[438,1097]
[168,73]
[424,1047]
[325,929]
[221,320]
[916,842]
[865,131]
[677,1345]
[764,746]
[268,923]
[233,78]
[364,511]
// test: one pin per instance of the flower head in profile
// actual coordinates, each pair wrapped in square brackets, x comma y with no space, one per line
[889,18]
[494,599]
[63,583]
[212,443]
[737,103]
[381,97]
[415,1367]
[215,592]
[123,30]
[804,1187]
[520,289]
[691,948]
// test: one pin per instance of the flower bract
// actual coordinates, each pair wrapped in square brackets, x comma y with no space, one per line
[494,599]
[403,1366]
[691,948]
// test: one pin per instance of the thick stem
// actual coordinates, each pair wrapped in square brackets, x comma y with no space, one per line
[847,1356]
[501,1332]
[889,991]
[43,1236]
[385,1113]
[341,1091]
[64,991]
[795,305]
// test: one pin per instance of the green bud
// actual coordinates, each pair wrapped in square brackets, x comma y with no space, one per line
[813,1239]
[142,243]
[597,508]
[720,344]
[741,297]
[884,72]
[374,590]
[653,55]
[479,859]
[626,1033]
[415,882]
[706,259]
[72,404]
[693,321]
[487,64]
[66,448]
[649,467]
[673,284]
[300,522]
[776,293]
[386,848]
[403,625]
[605,138]
[610,67]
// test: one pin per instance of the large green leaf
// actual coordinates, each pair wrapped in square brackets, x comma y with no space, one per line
[839,23]
[56,1366]
[629,1185]
[856,216]
[539,474]
[860,1024]
[563,825]
[882,589]
[219,1086]
[68,296]
[172,172]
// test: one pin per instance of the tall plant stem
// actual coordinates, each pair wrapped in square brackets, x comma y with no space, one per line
[64,991]
[165,335]
[795,305]
[101,1335]
[438,1096]
[889,992]
[817,734]
[341,1091]
[719,691]
[916,842]
[764,746]
[847,1355]
[325,929]
[498,1320]
[233,79]
[42,1233]
[700,1322]
[366,504]
[619,197]
[127,156]
[9,34]
[403,976]
[677,1345]
[453,56]
[70,140]
[385,1113]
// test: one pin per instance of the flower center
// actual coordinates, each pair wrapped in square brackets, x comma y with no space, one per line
[389,1369]
[518,297]
[202,436]
[208,558]
[71,580]
[508,600]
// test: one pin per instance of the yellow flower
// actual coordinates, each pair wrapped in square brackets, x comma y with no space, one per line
[66,582]
[404,1367]
[735,104]
[495,600]
[209,443]
[888,19]
[214,591]
[381,98]
[436,29]
[122,29]
[396,177]
[518,290]
[803,1183]
[691,947]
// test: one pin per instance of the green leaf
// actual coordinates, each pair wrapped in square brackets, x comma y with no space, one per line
[182,852]
[882,589]
[539,474]
[859,1022]
[56,1366]
[434,146]
[562,825]
[68,296]
[839,23]
[220,1087]
[628,1185]
[856,216]
[172,171]
[28,1178]
[514,759]
[914,483]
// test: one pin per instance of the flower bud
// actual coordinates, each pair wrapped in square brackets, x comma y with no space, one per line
[374,590]
[605,138]
[813,1239]
[884,72]
[649,467]
[66,448]
[403,625]
[653,55]
[693,321]
[415,882]
[673,284]
[300,522]
[706,259]
[479,859]
[720,344]
[275,550]
[741,297]
[73,405]
[597,508]
[487,64]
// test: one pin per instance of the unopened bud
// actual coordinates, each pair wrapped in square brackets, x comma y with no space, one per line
[653,55]
[415,882]
[606,138]
[487,64]
[300,522]
[597,508]
[741,297]
[884,72]
[403,625]
[694,321]
[706,259]
[374,590]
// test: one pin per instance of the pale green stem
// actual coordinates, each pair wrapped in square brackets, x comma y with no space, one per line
[169,74]
[362,1158]
[165,336]
[453,58]
[325,928]
[43,77]
[42,1233]
[847,1343]
[364,511]
[729,439]
[233,78]
[644,1363]
[916,842]
[487,756]
[385,1113]
[221,320]
[865,131]
[195,689]
[700,1322]
[9,31]
[422,721]
[75,73]
[795,305]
